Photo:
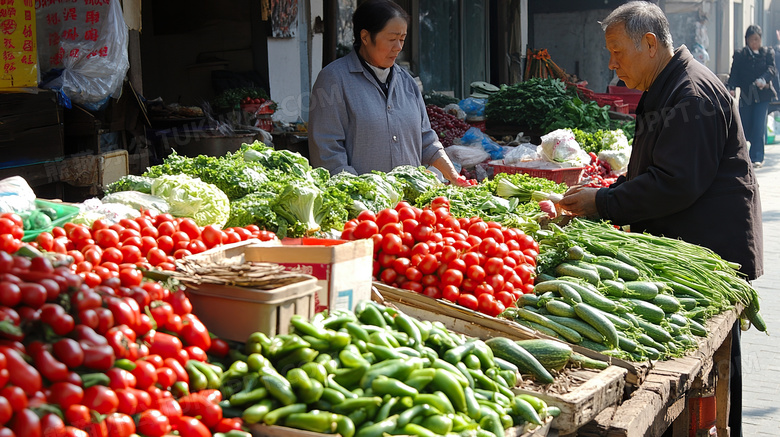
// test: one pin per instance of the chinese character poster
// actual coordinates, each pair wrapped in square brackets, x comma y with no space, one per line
[19,59]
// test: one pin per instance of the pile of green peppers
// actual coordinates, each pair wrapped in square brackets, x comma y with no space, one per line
[374,371]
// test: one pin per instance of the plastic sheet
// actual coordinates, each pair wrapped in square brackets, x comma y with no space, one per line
[83,51]
[16,195]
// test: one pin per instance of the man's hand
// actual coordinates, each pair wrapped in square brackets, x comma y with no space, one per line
[580,201]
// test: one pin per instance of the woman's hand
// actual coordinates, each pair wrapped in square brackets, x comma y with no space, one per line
[461,181]
[580,201]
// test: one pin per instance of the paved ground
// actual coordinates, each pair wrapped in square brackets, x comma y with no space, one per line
[761,353]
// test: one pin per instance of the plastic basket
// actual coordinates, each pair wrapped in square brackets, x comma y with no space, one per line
[568,176]
[265,123]
[65,213]
[234,313]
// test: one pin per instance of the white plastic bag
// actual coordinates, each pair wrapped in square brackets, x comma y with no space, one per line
[520,153]
[467,156]
[560,146]
[16,195]
[88,41]
[617,159]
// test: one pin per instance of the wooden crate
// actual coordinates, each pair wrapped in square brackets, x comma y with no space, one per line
[476,324]
[589,391]
[261,430]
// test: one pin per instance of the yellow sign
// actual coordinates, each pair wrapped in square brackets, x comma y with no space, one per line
[18,54]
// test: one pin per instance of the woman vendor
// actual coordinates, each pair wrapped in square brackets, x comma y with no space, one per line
[367,113]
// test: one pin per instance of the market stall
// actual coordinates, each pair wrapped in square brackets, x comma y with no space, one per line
[252,245]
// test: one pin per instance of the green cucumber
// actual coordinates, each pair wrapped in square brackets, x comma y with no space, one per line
[669,304]
[623,270]
[597,320]
[569,269]
[642,290]
[527,299]
[619,322]
[656,332]
[560,308]
[697,328]
[677,319]
[646,310]
[627,344]
[578,325]
[565,332]
[569,293]
[587,362]
[613,288]
[688,303]
[594,298]
[525,362]
[553,355]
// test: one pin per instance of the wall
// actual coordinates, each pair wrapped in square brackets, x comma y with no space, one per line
[575,42]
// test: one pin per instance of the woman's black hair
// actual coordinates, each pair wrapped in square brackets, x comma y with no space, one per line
[752,30]
[373,15]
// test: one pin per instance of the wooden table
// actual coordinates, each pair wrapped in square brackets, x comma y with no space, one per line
[661,401]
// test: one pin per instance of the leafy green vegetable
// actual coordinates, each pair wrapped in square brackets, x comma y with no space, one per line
[254,208]
[523,187]
[370,191]
[282,160]
[231,99]
[576,113]
[130,183]
[531,104]
[299,205]
[191,197]
[414,180]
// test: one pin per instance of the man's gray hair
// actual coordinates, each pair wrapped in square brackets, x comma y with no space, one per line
[641,17]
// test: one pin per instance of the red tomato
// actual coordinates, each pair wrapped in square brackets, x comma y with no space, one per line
[156,256]
[188,226]
[428,264]
[391,244]
[13,217]
[211,236]
[386,216]
[112,254]
[450,293]
[153,423]
[483,289]
[476,273]
[427,217]
[366,215]
[130,253]
[120,425]
[412,286]
[388,276]
[452,277]
[432,292]
[468,300]
[506,298]
[365,229]
[106,238]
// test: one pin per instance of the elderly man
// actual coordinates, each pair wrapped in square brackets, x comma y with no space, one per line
[689,176]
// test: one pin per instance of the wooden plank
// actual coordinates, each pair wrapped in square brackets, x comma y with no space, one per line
[722,360]
[421,306]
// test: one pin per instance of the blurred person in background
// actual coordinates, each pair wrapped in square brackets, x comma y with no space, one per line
[753,71]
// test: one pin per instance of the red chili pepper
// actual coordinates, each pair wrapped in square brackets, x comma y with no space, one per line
[197,405]
[229,424]
[26,423]
[122,311]
[118,341]
[178,369]
[219,348]
[161,312]
[145,324]
[21,374]
[180,303]
[86,334]
[194,332]
[49,366]
[97,357]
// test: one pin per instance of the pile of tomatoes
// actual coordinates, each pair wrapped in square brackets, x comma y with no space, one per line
[598,173]
[480,265]
[112,359]
[11,232]
[103,251]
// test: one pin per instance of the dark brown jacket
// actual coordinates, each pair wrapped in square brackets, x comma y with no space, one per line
[690,175]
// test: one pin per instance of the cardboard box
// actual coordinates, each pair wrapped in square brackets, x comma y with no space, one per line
[343,268]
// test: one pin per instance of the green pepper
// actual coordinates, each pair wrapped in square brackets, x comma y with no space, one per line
[308,390]
[401,338]
[382,385]
[322,422]
[461,367]
[303,327]
[328,362]
[383,338]
[357,332]
[316,343]
[250,397]
[338,319]
[484,353]
[509,377]
[472,406]
[257,343]
[198,380]
[411,413]
[445,381]
[429,353]
[297,358]
[315,371]
[290,344]
[257,361]
[256,412]
[91,379]
[383,352]
[350,357]
[408,352]
[493,424]
[526,411]
[439,402]
[379,429]
[438,423]
[279,388]
[332,396]
[181,388]
[331,383]
[461,422]
[425,327]
[338,340]
[125,364]
[371,315]
[482,381]
[458,353]
[413,429]
[407,325]
[419,382]
[350,405]
[472,362]
[538,404]
[441,364]
[350,377]
[359,417]
[237,370]
[233,433]
[281,413]
[386,408]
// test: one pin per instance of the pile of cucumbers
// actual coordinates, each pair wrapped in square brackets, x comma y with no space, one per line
[374,371]
[599,302]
